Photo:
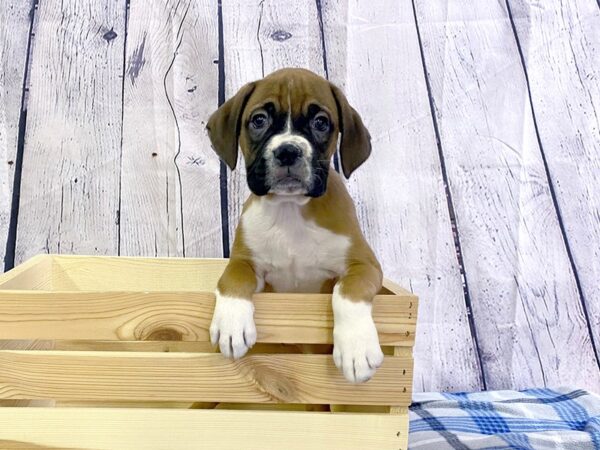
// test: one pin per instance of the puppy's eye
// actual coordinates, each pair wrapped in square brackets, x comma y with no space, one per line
[321,123]
[259,120]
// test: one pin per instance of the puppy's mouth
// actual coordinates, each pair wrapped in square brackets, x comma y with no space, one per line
[288,184]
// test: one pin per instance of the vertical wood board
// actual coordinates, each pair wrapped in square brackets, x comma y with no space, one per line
[170,177]
[15,21]
[560,41]
[70,185]
[525,300]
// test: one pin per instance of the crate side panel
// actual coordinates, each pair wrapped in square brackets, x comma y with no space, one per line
[226,430]
[185,316]
[196,377]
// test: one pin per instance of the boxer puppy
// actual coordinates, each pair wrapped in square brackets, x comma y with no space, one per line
[298,231]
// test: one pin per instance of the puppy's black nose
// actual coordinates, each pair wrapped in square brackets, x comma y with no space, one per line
[287,154]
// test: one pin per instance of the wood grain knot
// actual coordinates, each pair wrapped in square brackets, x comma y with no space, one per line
[164,334]
[109,35]
[277,386]
[280,35]
[151,327]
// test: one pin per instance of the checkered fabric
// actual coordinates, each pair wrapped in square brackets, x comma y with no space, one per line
[532,419]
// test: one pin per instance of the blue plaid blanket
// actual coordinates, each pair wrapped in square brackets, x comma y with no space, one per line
[531,419]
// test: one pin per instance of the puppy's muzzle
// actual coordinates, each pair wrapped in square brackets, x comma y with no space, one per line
[287,155]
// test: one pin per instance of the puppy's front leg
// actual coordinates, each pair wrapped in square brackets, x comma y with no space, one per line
[232,326]
[356,350]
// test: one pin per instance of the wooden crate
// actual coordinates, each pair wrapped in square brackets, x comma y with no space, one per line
[128,350]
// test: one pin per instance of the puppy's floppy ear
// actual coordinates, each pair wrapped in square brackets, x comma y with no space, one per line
[224,125]
[355,146]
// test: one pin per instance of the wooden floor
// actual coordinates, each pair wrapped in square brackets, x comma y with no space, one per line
[482,195]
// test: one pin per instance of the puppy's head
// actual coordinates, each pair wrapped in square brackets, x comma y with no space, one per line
[287,125]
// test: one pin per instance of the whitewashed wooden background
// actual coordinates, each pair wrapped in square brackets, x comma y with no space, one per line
[482,195]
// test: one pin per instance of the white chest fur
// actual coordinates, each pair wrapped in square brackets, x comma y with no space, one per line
[291,253]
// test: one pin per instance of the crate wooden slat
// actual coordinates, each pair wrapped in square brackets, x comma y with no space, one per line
[132,332]
[185,316]
[192,429]
[195,376]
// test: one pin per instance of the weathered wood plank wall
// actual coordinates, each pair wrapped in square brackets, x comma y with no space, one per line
[15,26]
[170,201]
[519,275]
[69,192]
[560,48]
[481,195]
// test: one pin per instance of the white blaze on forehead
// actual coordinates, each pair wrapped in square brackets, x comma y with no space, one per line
[288,136]
[290,84]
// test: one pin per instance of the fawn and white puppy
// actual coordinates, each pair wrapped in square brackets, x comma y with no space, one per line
[298,231]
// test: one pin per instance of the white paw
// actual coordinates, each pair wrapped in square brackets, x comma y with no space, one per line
[356,350]
[232,326]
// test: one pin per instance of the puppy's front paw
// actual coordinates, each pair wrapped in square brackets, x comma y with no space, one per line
[232,326]
[356,350]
